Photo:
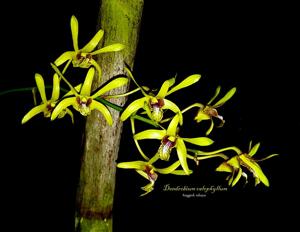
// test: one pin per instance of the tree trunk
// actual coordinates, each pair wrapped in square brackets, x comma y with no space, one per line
[120,20]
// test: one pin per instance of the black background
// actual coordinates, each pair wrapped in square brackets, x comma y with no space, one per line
[251,46]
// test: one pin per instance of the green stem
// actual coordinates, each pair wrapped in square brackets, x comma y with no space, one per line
[198,152]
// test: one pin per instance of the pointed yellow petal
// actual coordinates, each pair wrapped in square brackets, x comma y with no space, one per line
[77,88]
[254,150]
[215,95]
[181,152]
[74,30]
[201,116]
[150,134]
[87,85]
[168,169]
[210,127]
[100,107]
[69,112]
[224,167]
[116,83]
[224,99]
[237,178]
[92,44]
[62,105]
[172,128]
[56,88]
[132,108]
[256,169]
[163,90]
[185,83]
[234,162]
[34,111]
[200,141]
[172,106]
[110,48]
[140,165]
[41,86]
[64,57]
[96,65]
[142,173]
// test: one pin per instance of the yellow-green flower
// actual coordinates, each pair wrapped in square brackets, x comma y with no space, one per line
[209,111]
[83,57]
[155,105]
[149,172]
[46,106]
[170,139]
[84,102]
[235,166]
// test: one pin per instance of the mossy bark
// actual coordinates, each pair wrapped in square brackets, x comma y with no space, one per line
[120,20]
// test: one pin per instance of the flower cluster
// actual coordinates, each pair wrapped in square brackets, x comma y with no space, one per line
[154,105]
[151,108]
[80,97]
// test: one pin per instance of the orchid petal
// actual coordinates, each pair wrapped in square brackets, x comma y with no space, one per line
[200,141]
[132,108]
[34,111]
[168,169]
[268,157]
[142,173]
[116,83]
[256,169]
[100,107]
[56,88]
[237,178]
[172,128]
[224,99]
[92,44]
[87,85]
[254,150]
[163,90]
[41,86]
[74,30]
[185,83]
[140,165]
[110,48]
[210,127]
[69,112]
[181,152]
[64,57]
[172,106]
[224,167]
[234,162]
[150,134]
[215,95]
[201,116]
[62,105]
[97,66]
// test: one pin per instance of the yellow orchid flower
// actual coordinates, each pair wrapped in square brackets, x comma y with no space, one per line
[149,172]
[170,139]
[208,111]
[46,106]
[235,166]
[155,105]
[83,57]
[84,102]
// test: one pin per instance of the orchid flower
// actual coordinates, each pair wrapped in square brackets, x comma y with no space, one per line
[208,111]
[84,102]
[149,172]
[83,57]
[47,106]
[155,105]
[236,164]
[170,139]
